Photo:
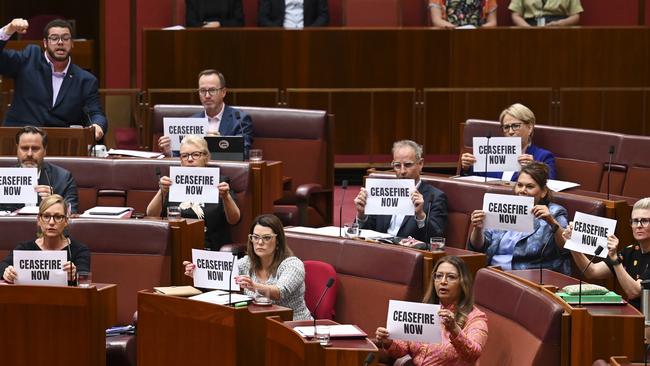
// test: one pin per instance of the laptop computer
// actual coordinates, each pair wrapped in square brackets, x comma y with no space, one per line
[229,148]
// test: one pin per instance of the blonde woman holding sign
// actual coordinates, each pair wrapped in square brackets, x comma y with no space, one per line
[218,216]
[52,221]
[515,250]
[630,265]
[464,327]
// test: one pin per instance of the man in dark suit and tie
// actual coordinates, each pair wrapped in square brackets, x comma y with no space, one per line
[223,120]
[49,90]
[293,14]
[408,163]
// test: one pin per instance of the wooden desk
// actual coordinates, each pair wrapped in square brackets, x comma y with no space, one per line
[61,141]
[179,331]
[55,325]
[285,347]
[597,331]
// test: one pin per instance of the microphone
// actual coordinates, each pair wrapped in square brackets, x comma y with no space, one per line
[596,253]
[369,359]
[71,279]
[426,222]
[162,194]
[344,187]
[329,284]
[487,150]
[89,123]
[49,182]
[541,255]
[609,169]
[230,280]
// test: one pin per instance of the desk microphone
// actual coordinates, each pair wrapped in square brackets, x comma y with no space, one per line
[71,278]
[369,359]
[609,169]
[232,267]
[344,187]
[541,256]
[329,284]
[487,155]
[49,182]
[89,123]
[162,194]
[596,253]
[426,222]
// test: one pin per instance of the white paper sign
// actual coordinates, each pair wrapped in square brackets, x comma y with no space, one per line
[501,152]
[389,197]
[36,267]
[213,269]
[177,128]
[194,184]
[17,185]
[507,212]
[413,321]
[590,232]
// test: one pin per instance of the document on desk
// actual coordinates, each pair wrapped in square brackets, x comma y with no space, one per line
[221,297]
[560,185]
[336,331]
[334,231]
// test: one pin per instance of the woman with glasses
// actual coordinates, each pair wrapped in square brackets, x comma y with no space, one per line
[52,221]
[513,250]
[630,265]
[217,216]
[516,121]
[270,267]
[464,327]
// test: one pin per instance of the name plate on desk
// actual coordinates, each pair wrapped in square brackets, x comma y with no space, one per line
[40,267]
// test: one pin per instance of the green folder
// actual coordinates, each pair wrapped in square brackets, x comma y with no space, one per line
[609,298]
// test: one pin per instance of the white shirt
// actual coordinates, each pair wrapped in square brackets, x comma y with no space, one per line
[215,122]
[294,14]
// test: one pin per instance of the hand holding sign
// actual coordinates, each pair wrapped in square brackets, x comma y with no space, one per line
[587,232]
[390,197]
[9,274]
[467,160]
[502,154]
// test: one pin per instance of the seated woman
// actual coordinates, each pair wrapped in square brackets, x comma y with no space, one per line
[465,328]
[630,265]
[214,13]
[515,250]
[458,13]
[52,221]
[516,121]
[270,267]
[218,216]
[551,13]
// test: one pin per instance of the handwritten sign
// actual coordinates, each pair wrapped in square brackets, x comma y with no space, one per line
[40,267]
[17,185]
[389,197]
[413,321]
[501,153]
[194,184]
[506,212]
[215,269]
[590,232]
[177,128]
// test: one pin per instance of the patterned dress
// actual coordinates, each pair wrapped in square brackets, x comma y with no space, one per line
[465,12]
[464,349]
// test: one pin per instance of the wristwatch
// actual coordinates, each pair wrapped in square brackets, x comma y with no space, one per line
[614,262]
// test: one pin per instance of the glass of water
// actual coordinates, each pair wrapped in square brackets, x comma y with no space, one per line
[351,230]
[262,297]
[173,213]
[255,154]
[437,244]
[84,279]
[323,335]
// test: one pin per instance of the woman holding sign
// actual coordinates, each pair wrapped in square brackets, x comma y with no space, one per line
[52,221]
[516,121]
[218,216]
[464,327]
[630,265]
[516,250]
[270,267]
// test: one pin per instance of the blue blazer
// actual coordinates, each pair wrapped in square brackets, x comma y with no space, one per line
[538,154]
[77,101]
[437,221]
[234,123]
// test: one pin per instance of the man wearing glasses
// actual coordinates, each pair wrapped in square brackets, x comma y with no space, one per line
[49,90]
[31,147]
[223,120]
[408,163]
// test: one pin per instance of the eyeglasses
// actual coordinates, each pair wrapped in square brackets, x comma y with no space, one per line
[47,217]
[439,276]
[643,222]
[397,165]
[55,38]
[515,127]
[211,91]
[195,155]
[264,238]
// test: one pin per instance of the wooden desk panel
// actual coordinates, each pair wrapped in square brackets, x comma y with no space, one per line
[61,141]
